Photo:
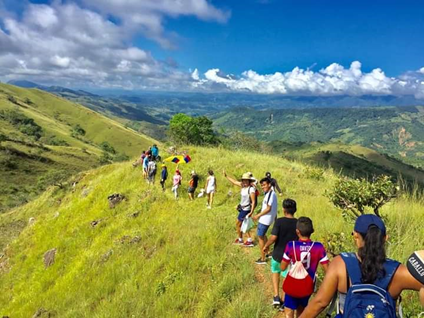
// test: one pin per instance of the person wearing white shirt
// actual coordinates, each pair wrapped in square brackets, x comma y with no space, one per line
[266,217]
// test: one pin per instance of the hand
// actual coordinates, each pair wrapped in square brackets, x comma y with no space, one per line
[255,218]
[265,249]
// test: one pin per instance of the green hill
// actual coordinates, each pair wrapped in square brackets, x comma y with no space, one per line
[152,256]
[44,139]
[351,160]
[396,131]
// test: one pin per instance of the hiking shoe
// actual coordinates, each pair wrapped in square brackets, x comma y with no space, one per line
[248,244]
[276,302]
[260,262]
[238,242]
[281,306]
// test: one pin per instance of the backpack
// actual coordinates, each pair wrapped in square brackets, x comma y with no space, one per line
[152,167]
[256,195]
[368,300]
[298,282]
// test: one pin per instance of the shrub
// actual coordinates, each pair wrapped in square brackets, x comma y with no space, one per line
[55,141]
[105,159]
[78,131]
[105,146]
[184,129]
[355,196]
[314,173]
[25,124]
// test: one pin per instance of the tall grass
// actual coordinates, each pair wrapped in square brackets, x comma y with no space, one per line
[184,264]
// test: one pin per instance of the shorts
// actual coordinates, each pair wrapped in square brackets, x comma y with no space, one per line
[276,268]
[242,214]
[262,229]
[210,190]
[294,303]
[191,189]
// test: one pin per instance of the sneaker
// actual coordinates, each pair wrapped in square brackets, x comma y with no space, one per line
[276,302]
[248,244]
[260,262]
[208,207]
[238,242]
[268,255]
[281,306]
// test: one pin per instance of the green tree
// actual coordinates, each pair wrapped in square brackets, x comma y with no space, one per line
[184,129]
[355,196]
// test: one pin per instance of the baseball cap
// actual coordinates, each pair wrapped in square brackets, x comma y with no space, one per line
[366,220]
[415,265]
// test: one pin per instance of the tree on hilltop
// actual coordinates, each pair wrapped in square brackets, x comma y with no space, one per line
[184,129]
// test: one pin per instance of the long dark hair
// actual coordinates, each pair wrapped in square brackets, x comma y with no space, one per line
[373,255]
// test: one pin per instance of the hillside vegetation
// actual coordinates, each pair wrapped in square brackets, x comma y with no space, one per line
[152,256]
[396,131]
[44,139]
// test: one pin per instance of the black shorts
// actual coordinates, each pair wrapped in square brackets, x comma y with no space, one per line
[191,190]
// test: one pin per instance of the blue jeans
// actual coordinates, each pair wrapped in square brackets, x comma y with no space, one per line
[262,229]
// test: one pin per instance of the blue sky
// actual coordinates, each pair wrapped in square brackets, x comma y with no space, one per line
[280,35]
[156,44]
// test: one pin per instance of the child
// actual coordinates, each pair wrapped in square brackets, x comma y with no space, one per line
[210,188]
[163,177]
[284,231]
[176,182]
[312,254]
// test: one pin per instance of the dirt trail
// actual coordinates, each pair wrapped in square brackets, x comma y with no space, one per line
[263,276]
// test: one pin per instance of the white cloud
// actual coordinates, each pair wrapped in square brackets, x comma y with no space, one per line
[332,80]
[68,43]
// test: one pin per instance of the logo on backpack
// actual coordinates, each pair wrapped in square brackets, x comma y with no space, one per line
[369,300]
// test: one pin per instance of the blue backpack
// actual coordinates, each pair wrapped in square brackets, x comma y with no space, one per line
[368,300]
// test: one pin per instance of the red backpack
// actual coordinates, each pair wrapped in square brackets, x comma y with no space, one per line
[298,282]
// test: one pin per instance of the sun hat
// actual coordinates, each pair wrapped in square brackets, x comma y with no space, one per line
[247,176]
[366,220]
[415,265]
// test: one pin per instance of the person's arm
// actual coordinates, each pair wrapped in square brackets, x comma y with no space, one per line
[277,187]
[325,267]
[270,241]
[253,204]
[267,210]
[233,181]
[326,291]
[284,264]
[403,280]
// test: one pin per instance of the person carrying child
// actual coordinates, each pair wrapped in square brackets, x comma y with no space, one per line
[304,252]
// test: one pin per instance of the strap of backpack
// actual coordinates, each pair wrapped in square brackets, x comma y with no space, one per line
[352,267]
[294,251]
[269,197]
[391,267]
[332,306]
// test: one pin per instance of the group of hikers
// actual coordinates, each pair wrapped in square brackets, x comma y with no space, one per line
[361,284]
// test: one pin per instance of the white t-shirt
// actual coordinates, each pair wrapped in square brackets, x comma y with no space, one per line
[245,197]
[211,184]
[269,199]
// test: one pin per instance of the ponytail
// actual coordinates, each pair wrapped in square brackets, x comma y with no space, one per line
[373,255]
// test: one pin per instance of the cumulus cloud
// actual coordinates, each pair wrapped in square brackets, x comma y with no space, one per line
[332,80]
[90,42]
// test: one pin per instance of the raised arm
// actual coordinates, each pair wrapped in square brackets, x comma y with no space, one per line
[326,291]
[233,181]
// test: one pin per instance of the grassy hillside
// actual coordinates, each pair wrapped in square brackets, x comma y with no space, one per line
[353,161]
[397,131]
[44,138]
[153,256]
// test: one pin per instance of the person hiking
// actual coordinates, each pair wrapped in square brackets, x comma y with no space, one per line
[192,185]
[145,166]
[163,176]
[176,182]
[151,170]
[368,265]
[284,231]
[246,207]
[309,254]
[266,217]
[415,267]
[210,188]
[274,183]
[155,152]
